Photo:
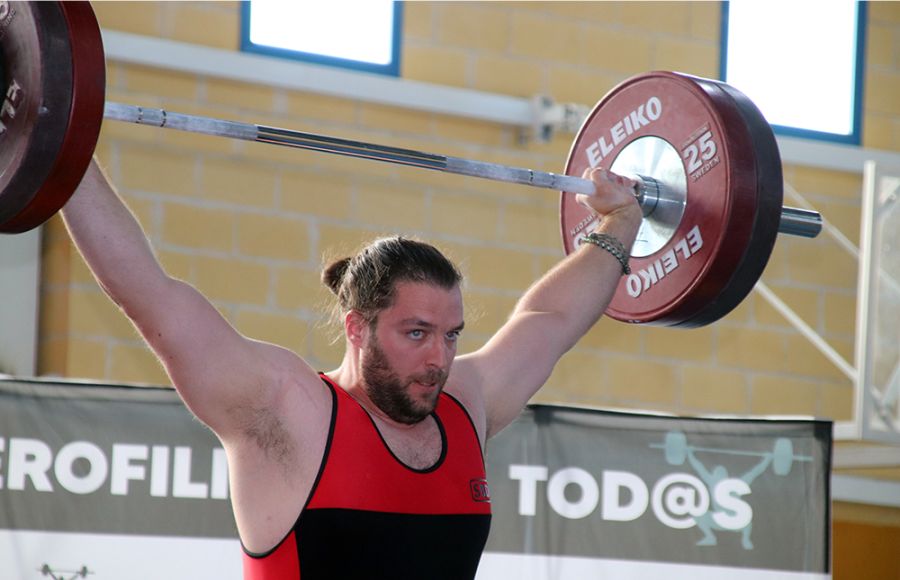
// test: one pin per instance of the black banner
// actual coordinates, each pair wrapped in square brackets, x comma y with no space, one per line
[123,481]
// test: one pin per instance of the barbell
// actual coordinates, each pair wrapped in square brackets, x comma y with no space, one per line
[705,160]
[676,448]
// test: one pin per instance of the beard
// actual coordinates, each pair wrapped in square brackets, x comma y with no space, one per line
[391,393]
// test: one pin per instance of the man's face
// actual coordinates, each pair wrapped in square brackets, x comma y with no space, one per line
[407,355]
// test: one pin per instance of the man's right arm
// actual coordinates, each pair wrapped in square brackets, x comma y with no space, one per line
[223,377]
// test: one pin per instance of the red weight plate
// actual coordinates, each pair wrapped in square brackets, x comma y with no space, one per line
[79,34]
[673,278]
[35,99]
[770,197]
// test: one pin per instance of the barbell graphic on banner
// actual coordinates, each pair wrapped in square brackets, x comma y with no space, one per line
[676,449]
[706,163]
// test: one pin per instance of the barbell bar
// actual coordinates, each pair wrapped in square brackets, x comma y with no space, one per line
[794,221]
[706,162]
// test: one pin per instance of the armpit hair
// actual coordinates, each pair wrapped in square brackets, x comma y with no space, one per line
[266,429]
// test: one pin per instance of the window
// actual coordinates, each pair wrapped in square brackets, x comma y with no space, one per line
[357,34]
[800,62]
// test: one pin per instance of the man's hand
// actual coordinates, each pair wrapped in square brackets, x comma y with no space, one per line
[615,194]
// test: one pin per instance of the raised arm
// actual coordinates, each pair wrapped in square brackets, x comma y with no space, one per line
[555,312]
[223,377]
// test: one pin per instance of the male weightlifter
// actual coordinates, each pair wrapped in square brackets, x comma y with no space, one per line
[374,469]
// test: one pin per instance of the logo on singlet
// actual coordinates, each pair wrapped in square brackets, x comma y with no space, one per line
[479,489]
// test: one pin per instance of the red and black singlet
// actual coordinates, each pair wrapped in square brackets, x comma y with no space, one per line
[371,516]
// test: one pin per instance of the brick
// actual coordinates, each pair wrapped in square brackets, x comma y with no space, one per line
[318,194]
[280,329]
[836,401]
[198,227]
[507,76]
[231,280]
[56,256]
[803,301]
[321,108]
[878,131]
[266,236]
[486,313]
[394,119]
[418,22]
[93,314]
[85,359]
[583,12]
[297,288]
[711,390]
[473,26]
[666,17]
[335,241]
[777,395]
[882,88]
[840,313]
[612,336]
[220,29]
[325,350]
[392,207]
[136,17]
[531,225]
[497,268]
[464,216]
[435,64]
[751,349]
[822,263]
[240,95]
[881,49]
[131,363]
[469,131]
[884,12]
[578,84]
[805,359]
[53,313]
[51,355]
[152,170]
[706,20]
[580,375]
[542,38]
[160,83]
[235,181]
[686,345]
[643,383]
[604,49]
[701,58]
[840,184]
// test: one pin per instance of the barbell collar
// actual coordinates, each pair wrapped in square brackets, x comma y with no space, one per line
[649,192]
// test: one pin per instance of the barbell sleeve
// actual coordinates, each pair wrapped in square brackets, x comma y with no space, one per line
[794,221]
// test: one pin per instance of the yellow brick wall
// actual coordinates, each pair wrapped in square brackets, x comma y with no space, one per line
[251,224]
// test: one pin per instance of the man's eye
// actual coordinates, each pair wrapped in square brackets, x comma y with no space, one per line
[416,334]
[453,335]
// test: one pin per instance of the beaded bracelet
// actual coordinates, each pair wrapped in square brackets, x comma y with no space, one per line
[612,245]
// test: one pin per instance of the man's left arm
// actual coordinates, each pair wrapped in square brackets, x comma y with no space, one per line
[555,312]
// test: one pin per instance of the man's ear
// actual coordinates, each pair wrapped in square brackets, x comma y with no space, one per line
[356,328]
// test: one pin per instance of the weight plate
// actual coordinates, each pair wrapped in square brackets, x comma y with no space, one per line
[675,274]
[770,198]
[54,69]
